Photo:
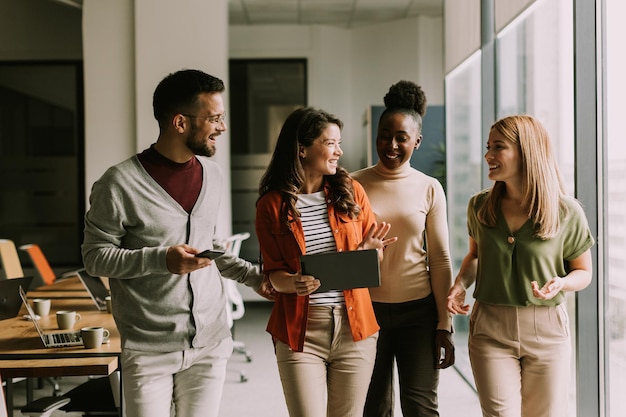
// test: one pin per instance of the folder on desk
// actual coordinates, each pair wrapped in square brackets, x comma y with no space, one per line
[343,270]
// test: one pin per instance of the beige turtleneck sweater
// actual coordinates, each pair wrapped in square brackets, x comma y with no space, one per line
[415,205]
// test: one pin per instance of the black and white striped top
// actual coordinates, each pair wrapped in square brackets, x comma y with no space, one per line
[318,237]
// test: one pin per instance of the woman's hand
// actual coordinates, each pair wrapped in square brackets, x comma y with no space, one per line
[578,278]
[444,348]
[376,237]
[456,300]
[549,290]
[305,284]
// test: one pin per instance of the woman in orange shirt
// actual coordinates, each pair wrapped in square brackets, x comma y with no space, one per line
[325,343]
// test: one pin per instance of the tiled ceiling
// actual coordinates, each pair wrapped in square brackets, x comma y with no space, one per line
[340,13]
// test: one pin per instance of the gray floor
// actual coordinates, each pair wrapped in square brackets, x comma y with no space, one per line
[261,395]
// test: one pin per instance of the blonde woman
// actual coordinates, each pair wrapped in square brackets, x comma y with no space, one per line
[529,243]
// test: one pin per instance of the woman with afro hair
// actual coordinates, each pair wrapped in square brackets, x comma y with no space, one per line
[416,272]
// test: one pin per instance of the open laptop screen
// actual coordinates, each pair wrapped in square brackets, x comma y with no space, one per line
[96,288]
[10,300]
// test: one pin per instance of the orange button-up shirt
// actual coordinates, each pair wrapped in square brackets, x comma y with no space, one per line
[281,248]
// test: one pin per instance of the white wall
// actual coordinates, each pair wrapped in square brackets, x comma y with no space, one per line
[129,45]
[329,70]
[385,53]
[350,70]
[109,86]
[462,31]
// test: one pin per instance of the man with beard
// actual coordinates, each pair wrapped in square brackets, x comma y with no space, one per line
[148,218]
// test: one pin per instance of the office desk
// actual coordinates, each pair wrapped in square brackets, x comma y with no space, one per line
[42,368]
[37,368]
[22,353]
[65,284]
[19,338]
[69,287]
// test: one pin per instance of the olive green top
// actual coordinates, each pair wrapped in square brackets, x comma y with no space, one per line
[509,262]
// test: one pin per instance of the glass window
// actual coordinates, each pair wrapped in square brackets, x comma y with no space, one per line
[534,67]
[262,92]
[615,158]
[534,73]
[42,158]
[464,155]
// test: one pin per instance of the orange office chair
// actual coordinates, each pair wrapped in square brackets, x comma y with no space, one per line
[40,262]
[10,260]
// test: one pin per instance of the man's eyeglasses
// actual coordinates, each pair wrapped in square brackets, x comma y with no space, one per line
[217,119]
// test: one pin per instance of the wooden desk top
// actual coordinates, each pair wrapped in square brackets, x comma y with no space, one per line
[22,353]
[65,284]
[19,338]
[58,294]
[18,368]
[70,287]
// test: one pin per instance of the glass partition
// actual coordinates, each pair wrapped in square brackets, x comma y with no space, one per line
[615,200]
[263,92]
[464,144]
[535,75]
[42,158]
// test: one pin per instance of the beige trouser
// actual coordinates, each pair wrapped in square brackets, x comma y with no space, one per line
[190,381]
[330,377]
[521,359]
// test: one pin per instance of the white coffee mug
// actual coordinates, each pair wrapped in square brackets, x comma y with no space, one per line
[66,319]
[94,336]
[41,306]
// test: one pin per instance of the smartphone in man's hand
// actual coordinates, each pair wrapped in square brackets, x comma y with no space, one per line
[210,253]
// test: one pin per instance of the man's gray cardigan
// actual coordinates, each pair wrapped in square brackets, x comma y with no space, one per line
[130,224]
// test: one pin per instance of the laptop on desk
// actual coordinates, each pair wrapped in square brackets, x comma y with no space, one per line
[95,287]
[10,300]
[56,339]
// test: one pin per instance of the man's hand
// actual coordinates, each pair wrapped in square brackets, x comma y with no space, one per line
[266,290]
[182,259]
[444,348]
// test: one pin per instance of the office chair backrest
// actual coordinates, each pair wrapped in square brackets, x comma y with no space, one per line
[41,262]
[233,243]
[10,259]
[3,403]
[237,308]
